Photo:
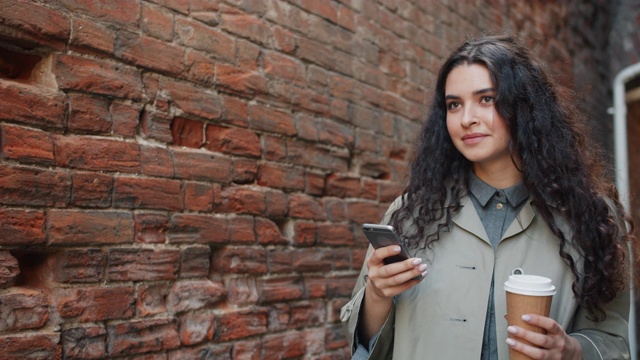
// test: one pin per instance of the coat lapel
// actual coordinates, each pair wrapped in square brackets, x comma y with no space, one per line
[468,219]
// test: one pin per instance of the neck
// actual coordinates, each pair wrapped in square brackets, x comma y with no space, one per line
[500,177]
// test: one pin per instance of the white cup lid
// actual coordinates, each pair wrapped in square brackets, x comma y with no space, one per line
[531,285]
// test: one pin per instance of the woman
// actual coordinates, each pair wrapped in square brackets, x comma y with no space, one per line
[502,182]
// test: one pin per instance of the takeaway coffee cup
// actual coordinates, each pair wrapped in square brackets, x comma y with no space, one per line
[527,294]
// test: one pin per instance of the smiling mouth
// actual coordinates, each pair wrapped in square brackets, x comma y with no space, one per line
[473,138]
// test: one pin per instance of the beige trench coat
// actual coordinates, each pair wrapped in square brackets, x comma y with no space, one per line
[443,316]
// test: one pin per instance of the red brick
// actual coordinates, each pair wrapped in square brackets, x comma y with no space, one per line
[32,105]
[91,189]
[199,196]
[23,309]
[195,261]
[209,349]
[138,337]
[195,165]
[43,345]
[89,114]
[45,187]
[272,120]
[362,212]
[305,234]
[150,228]
[277,204]
[97,154]
[307,127]
[287,345]
[240,80]
[335,337]
[92,35]
[335,235]
[314,340]
[157,22]
[239,324]
[22,227]
[305,207]
[245,25]
[98,77]
[340,109]
[156,161]
[242,230]
[198,36]
[243,200]
[342,258]
[156,125]
[236,111]
[75,227]
[268,233]
[314,183]
[96,303]
[280,176]
[9,269]
[198,229]
[195,295]
[27,145]
[331,132]
[25,16]
[121,12]
[307,314]
[340,285]
[313,260]
[142,264]
[247,350]
[318,156]
[245,171]
[347,18]
[303,98]
[280,289]
[242,291]
[283,67]
[284,39]
[343,186]
[274,149]
[80,266]
[142,193]
[369,189]
[279,315]
[280,261]
[200,102]
[143,51]
[239,260]
[201,68]
[196,328]
[88,342]
[124,118]
[315,286]
[336,209]
[186,132]
[235,141]
[152,299]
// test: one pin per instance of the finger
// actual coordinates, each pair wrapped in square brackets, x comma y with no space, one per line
[530,351]
[378,255]
[546,323]
[525,337]
[400,267]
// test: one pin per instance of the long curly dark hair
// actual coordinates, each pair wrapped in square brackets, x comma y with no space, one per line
[564,177]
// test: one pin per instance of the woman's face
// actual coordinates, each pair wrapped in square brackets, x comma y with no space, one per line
[474,125]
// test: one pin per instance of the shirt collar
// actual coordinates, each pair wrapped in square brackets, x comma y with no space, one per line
[483,192]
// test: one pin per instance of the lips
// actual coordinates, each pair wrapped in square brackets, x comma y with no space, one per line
[473,138]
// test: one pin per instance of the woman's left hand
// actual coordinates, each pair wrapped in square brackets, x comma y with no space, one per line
[555,344]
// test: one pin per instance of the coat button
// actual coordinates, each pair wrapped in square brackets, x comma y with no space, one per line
[499,206]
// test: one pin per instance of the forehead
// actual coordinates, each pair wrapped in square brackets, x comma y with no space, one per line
[468,78]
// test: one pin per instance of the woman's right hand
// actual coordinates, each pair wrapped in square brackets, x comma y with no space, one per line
[387,281]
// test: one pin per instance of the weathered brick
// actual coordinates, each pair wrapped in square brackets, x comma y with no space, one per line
[199,196]
[89,114]
[267,119]
[239,324]
[247,350]
[124,118]
[201,37]
[236,111]
[152,299]
[335,209]
[279,316]
[138,337]
[283,67]
[243,200]
[274,148]
[9,269]
[268,233]
[142,193]
[194,165]
[315,286]
[314,183]
[235,141]
[156,125]
[195,261]
[40,346]
[362,212]
[198,229]
[305,207]
[286,345]
[279,261]
[313,260]
[335,235]
[318,156]
[143,51]
[150,228]
[281,176]
[314,340]
[89,304]
[89,227]
[200,102]
[241,81]
[187,132]
[142,264]
[121,12]
[335,337]
[243,260]
[22,309]
[157,22]
[245,25]
[195,295]
[32,105]
[196,327]
[201,68]
[43,187]
[340,285]
[98,77]
[242,291]
[280,289]
[305,234]
[277,204]
[207,351]
[242,230]
[245,170]
[284,39]
[91,153]
[80,266]
[91,189]
[27,145]
[24,16]
[88,34]
[156,161]
[22,227]
[87,342]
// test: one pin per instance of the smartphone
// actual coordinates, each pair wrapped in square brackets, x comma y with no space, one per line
[385,235]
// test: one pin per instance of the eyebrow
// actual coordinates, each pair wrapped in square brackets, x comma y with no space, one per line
[477,92]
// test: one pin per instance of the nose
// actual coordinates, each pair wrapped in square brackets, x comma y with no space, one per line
[469,116]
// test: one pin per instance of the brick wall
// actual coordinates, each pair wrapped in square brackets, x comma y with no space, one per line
[186,179]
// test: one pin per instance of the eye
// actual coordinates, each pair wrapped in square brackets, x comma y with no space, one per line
[452,105]
[487,100]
